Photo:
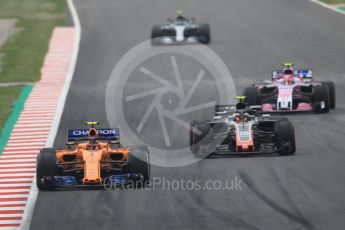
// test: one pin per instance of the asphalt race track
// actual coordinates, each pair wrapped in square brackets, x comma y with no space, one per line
[304,191]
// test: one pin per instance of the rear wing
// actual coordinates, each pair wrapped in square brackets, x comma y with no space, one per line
[190,19]
[111,134]
[225,109]
[306,74]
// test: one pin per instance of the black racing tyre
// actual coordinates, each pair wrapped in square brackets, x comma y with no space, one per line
[320,94]
[197,140]
[252,96]
[155,34]
[285,137]
[331,91]
[204,33]
[46,168]
[139,161]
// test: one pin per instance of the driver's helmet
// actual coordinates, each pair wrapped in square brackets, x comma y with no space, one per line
[288,71]
[179,14]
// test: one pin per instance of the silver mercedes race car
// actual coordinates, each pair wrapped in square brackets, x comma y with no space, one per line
[181,30]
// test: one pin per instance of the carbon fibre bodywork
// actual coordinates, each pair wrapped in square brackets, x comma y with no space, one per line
[244,131]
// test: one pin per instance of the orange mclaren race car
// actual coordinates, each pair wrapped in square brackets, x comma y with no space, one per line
[94,157]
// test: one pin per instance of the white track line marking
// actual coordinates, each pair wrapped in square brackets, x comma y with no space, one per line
[17,162]
[14,202]
[31,130]
[31,134]
[2,161]
[18,149]
[31,137]
[13,190]
[11,208]
[14,180]
[24,142]
[33,122]
[9,222]
[10,215]
[13,196]
[19,154]
[15,166]
[32,126]
[16,170]
[16,157]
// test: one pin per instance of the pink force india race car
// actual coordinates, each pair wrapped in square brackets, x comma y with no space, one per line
[292,90]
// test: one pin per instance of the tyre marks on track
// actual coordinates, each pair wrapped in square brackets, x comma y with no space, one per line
[298,218]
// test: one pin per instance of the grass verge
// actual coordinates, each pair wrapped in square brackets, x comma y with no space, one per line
[334,1]
[8,96]
[25,50]
[17,108]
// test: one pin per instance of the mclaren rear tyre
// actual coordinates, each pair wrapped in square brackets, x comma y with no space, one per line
[199,136]
[204,34]
[285,137]
[252,96]
[320,99]
[139,162]
[331,92]
[46,169]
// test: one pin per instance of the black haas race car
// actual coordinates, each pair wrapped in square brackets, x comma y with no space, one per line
[180,30]
[243,130]
[292,91]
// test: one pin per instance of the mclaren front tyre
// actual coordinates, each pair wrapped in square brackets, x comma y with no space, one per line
[46,169]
